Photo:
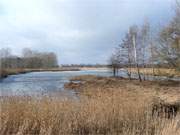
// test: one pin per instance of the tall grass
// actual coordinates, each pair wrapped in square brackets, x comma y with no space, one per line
[109,112]
[168,72]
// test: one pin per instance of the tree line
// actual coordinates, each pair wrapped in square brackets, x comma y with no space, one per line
[29,59]
[141,48]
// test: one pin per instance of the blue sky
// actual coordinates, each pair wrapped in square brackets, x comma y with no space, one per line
[79,31]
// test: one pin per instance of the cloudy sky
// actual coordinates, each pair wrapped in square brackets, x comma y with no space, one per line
[79,31]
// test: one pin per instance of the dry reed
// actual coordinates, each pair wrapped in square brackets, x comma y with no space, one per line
[105,106]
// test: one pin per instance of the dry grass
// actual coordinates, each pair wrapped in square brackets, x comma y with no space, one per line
[158,72]
[6,72]
[106,106]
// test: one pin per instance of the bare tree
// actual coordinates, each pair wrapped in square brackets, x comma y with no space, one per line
[35,59]
[114,63]
[152,54]
[168,50]
[126,56]
[29,59]
[27,52]
[134,35]
[5,54]
[132,50]
[144,44]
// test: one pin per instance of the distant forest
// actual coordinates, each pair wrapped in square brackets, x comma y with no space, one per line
[29,59]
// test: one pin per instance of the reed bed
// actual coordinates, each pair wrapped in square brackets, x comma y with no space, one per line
[105,106]
[168,72]
[104,112]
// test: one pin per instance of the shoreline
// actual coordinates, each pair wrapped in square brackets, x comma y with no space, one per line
[4,73]
[169,73]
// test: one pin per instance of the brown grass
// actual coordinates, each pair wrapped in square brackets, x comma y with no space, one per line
[158,72]
[6,72]
[105,106]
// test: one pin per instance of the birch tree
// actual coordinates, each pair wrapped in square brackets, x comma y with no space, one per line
[144,44]
[133,31]
[126,50]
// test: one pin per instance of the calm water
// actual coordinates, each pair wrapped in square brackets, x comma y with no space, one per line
[42,83]
[49,83]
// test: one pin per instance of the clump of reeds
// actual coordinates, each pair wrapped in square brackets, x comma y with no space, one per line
[105,112]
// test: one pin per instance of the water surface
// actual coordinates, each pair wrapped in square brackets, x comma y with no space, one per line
[43,83]
[51,83]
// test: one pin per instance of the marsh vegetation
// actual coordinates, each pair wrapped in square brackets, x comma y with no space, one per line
[140,96]
[105,106]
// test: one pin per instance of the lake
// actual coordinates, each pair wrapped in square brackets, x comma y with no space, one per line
[49,83]
[43,83]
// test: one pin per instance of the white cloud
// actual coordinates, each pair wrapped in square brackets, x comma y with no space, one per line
[75,29]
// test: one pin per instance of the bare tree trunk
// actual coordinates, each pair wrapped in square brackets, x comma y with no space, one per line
[135,58]
[114,71]
[139,75]
[129,71]
[152,59]
[129,61]
[117,70]
[144,66]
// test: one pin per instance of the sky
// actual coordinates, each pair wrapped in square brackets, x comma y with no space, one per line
[78,31]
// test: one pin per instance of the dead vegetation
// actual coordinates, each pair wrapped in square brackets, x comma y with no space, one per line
[105,106]
[158,72]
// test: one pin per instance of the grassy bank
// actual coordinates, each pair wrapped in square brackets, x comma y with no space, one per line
[157,72]
[6,72]
[105,106]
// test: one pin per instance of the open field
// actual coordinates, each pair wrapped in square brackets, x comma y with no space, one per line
[106,106]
